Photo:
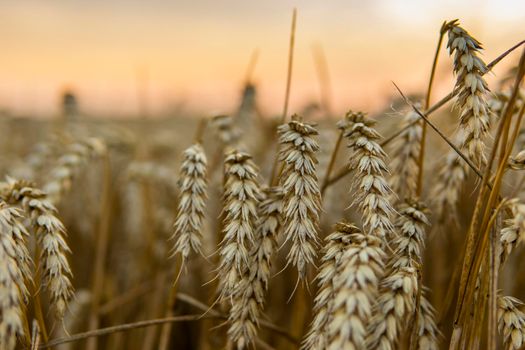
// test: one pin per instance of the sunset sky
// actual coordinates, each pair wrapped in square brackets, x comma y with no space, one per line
[196,52]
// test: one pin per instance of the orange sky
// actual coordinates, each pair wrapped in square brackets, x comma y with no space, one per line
[197,51]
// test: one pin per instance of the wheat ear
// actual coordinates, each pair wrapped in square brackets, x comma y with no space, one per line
[511,321]
[428,332]
[190,214]
[474,123]
[335,246]
[50,233]
[472,91]
[399,288]
[12,279]
[302,197]
[241,198]
[355,291]
[368,161]
[69,164]
[513,229]
[250,296]
[447,189]
[226,130]
[405,153]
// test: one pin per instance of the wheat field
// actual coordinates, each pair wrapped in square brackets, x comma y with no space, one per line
[393,230]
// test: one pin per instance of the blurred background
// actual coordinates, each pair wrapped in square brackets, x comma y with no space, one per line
[124,58]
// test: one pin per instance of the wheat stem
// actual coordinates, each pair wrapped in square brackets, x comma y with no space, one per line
[421,159]
[323,77]
[273,174]
[333,158]
[166,328]
[123,328]
[101,250]
[199,132]
[252,63]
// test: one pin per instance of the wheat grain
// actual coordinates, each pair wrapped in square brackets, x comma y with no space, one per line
[511,322]
[509,234]
[512,232]
[517,162]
